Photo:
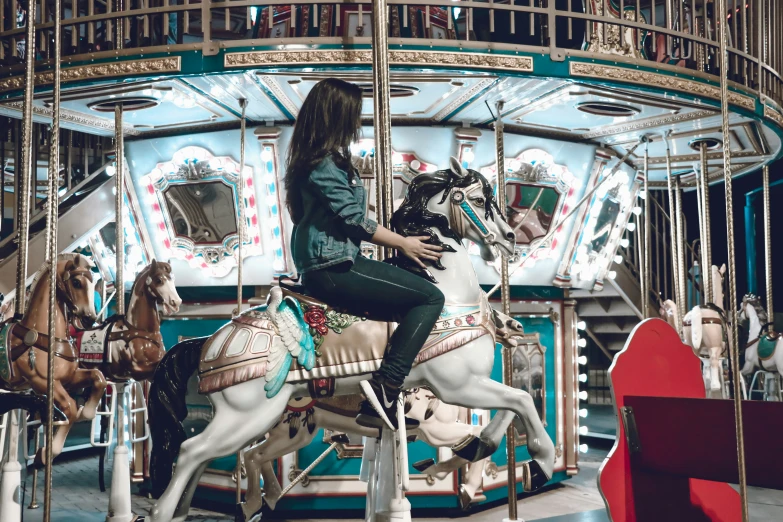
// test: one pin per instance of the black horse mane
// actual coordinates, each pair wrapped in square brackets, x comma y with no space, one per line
[413,218]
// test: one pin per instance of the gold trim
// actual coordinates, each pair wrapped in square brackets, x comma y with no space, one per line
[74,118]
[101,70]
[773,115]
[654,121]
[350,56]
[635,76]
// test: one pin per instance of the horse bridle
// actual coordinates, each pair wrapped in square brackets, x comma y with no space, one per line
[65,290]
[463,211]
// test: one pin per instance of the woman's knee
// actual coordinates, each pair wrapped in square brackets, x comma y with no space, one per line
[436,297]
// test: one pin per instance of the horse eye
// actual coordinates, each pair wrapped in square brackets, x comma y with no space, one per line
[479,202]
[77,283]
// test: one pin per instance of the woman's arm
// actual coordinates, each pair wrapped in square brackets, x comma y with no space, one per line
[412,247]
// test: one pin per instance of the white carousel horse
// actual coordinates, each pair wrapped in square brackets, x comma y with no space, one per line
[448,206]
[761,350]
[439,427]
[703,328]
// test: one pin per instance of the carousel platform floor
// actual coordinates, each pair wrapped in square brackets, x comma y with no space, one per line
[77,498]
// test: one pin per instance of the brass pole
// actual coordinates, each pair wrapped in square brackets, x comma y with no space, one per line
[119,179]
[34,489]
[25,169]
[732,301]
[706,242]
[505,299]
[382,119]
[682,297]
[700,257]
[241,216]
[646,260]
[768,248]
[53,205]
[674,229]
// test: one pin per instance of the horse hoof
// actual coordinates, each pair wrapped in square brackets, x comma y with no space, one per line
[422,465]
[533,477]
[465,498]
[474,449]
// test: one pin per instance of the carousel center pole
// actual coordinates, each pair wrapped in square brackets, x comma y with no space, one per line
[400,507]
[706,242]
[732,301]
[505,300]
[52,215]
[768,250]
[674,228]
[241,237]
[120,509]
[10,500]
[682,296]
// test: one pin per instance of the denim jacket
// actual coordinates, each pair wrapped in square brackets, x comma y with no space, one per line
[334,222]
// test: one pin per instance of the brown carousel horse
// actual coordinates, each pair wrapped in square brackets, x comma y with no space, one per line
[25,346]
[130,346]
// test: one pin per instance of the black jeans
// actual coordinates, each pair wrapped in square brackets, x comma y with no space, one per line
[386,293]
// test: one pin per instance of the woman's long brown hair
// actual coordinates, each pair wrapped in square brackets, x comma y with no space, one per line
[330,119]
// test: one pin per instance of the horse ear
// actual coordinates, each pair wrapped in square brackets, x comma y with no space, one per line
[723,269]
[456,168]
[153,266]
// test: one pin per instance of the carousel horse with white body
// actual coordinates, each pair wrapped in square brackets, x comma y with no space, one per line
[439,427]
[296,346]
[131,346]
[704,329]
[761,349]
[25,346]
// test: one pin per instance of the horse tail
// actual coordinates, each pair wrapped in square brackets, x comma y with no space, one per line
[167,408]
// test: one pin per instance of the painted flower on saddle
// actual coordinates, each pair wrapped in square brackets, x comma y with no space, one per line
[316,318]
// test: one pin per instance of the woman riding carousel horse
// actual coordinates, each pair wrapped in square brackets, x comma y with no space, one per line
[326,200]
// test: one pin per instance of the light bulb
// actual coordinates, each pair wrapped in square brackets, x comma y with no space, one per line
[624,243]
[583,413]
[637,210]
[631,227]
[581,325]
[266,155]
[111,170]
[582,430]
[642,194]
[583,448]
[618,259]
[612,274]
[582,377]
[582,360]
[581,343]
[583,395]
[468,155]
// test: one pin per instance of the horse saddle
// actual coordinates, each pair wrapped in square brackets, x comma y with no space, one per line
[767,346]
[345,344]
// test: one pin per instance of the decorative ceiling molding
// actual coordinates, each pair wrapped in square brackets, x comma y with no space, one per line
[648,123]
[270,82]
[635,76]
[464,98]
[100,70]
[75,118]
[773,115]
[352,56]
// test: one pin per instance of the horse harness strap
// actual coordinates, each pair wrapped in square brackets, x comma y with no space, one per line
[132,333]
[33,339]
[706,320]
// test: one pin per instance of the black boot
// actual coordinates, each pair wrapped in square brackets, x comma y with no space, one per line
[380,408]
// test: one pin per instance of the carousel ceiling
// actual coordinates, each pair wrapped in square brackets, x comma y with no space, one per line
[552,108]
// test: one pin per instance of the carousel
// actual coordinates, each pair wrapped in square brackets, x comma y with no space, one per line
[150,310]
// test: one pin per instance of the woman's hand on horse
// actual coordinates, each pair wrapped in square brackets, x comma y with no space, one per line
[415,248]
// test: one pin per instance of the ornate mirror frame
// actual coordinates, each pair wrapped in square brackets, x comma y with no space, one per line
[587,267]
[536,167]
[196,164]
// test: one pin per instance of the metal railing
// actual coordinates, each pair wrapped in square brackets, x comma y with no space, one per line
[661,258]
[666,33]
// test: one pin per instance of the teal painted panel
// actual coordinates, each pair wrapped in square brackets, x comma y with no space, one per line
[172,329]
[546,331]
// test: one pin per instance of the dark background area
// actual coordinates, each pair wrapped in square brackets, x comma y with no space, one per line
[720,255]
